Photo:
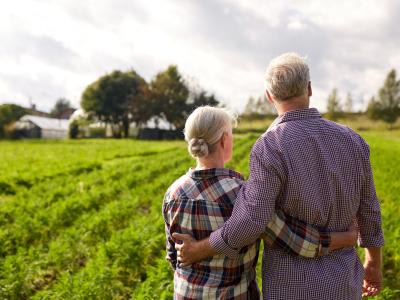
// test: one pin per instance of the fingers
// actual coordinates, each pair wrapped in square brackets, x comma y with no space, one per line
[371,288]
[183,246]
[183,261]
[185,264]
[353,226]
[181,237]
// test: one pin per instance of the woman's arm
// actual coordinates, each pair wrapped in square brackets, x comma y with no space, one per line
[302,239]
[170,247]
[170,244]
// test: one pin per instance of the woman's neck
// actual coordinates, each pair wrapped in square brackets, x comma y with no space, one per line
[210,163]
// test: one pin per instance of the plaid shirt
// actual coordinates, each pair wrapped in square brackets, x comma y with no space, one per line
[318,171]
[200,202]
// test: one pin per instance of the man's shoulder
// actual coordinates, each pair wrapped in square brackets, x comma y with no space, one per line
[279,136]
[347,131]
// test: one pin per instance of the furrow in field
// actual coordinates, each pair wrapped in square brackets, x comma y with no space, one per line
[40,225]
[76,241]
[121,262]
[76,175]
[16,177]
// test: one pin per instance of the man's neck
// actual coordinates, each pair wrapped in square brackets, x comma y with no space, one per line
[291,104]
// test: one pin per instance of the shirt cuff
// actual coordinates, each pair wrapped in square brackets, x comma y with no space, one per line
[219,245]
[324,243]
[372,242]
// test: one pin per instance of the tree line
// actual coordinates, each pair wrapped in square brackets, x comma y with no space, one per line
[385,105]
[122,98]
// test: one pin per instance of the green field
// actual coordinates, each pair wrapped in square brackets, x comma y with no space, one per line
[82,219]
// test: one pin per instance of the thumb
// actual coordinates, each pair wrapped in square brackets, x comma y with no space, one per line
[181,237]
[353,226]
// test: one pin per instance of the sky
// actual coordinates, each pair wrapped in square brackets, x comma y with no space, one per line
[55,48]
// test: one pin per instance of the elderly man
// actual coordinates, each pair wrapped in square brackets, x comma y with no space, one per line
[312,169]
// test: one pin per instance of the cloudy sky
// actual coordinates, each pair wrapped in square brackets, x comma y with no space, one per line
[55,48]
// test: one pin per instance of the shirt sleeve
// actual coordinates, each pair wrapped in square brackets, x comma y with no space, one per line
[255,205]
[369,218]
[296,237]
[170,244]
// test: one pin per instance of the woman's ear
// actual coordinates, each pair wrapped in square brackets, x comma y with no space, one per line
[222,141]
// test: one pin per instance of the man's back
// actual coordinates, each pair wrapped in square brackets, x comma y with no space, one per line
[326,164]
[325,179]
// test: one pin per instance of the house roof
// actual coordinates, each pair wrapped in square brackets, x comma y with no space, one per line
[47,123]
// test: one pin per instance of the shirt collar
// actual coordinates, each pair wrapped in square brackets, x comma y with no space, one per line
[214,172]
[298,114]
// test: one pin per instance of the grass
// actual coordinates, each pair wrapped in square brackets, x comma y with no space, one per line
[82,219]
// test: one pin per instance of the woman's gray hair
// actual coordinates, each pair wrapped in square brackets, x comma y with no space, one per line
[205,127]
[287,76]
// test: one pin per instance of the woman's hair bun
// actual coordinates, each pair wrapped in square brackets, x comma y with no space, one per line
[198,147]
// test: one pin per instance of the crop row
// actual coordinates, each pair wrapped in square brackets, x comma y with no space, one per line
[66,243]
[38,266]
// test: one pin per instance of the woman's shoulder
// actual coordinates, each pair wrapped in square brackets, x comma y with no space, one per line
[204,184]
[180,188]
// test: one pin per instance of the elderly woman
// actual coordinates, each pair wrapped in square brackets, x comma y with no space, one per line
[201,201]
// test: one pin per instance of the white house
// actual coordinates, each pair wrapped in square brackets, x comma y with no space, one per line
[42,127]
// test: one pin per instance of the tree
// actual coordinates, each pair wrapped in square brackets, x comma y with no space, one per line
[389,99]
[113,98]
[60,106]
[170,94]
[264,107]
[250,108]
[258,108]
[348,105]
[9,113]
[203,98]
[386,106]
[373,109]
[142,106]
[334,109]
[198,96]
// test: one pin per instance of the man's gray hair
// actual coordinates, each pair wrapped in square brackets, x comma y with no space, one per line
[287,76]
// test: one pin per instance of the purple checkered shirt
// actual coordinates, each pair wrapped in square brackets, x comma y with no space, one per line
[317,171]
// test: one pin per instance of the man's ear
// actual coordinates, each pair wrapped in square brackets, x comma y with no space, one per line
[269,97]
[309,89]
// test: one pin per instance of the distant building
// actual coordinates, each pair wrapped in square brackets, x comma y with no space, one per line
[66,113]
[159,129]
[30,126]
[34,112]
[158,123]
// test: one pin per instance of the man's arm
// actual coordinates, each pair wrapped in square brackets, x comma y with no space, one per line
[255,204]
[370,226]
[373,272]
[253,210]
[292,235]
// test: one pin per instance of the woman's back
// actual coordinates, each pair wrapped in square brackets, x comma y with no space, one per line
[197,204]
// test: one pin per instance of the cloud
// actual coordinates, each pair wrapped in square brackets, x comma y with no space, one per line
[53,49]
